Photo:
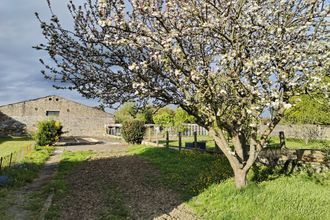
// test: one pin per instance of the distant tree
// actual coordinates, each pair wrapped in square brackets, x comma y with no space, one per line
[130,111]
[126,112]
[309,109]
[146,114]
[180,117]
[164,117]
[225,62]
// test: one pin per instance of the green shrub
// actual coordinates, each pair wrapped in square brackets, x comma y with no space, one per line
[49,132]
[133,131]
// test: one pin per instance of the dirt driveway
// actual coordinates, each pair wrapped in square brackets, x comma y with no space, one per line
[117,185]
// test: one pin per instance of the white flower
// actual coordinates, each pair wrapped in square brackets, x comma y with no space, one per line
[287,105]
[132,67]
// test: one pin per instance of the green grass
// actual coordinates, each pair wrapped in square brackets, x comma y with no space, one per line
[208,178]
[10,145]
[21,175]
[189,172]
[58,185]
[29,167]
[293,143]
[292,197]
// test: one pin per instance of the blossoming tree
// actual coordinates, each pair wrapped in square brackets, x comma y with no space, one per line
[225,62]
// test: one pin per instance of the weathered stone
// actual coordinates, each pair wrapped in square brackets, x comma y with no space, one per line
[77,119]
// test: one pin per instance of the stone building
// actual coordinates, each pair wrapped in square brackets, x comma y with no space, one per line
[77,119]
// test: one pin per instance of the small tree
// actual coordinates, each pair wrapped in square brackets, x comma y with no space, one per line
[164,118]
[181,117]
[133,131]
[49,132]
[126,112]
[225,62]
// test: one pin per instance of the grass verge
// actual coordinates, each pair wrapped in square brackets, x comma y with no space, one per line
[22,174]
[288,197]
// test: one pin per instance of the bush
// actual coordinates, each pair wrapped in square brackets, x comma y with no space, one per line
[49,132]
[133,131]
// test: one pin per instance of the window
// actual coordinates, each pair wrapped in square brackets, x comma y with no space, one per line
[52,113]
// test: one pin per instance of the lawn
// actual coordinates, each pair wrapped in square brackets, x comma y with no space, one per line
[291,143]
[205,181]
[10,145]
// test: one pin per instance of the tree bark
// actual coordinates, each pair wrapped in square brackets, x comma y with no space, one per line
[240,178]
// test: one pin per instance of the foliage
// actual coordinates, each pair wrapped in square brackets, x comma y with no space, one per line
[188,172]
[291,197]
[126,112]
[224,62]
[130,111]
[164,117]
[146,115]
[49,132]
[309,110]
[180,117]
[133,131]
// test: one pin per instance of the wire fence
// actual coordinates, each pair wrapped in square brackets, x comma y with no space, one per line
[15,157]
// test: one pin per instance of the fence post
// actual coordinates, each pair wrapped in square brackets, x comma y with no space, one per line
[180,140]
[195,139]
[11,157]
[282,139]
[167,139]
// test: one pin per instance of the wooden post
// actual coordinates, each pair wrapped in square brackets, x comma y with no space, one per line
[195,139]
[282,139]
[1,159]
[167,139]
[180,140]
[11,157]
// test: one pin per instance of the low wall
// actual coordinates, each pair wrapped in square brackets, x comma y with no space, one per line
[301,131]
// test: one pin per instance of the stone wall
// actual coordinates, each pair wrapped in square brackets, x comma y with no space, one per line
[302,131]
[77,119]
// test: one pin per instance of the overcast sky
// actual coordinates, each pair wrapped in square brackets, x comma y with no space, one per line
[20,75]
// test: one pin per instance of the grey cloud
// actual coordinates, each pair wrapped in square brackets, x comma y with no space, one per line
[20,76]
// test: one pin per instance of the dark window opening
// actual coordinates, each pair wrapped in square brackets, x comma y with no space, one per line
[53,113]
[50,99]
[57,99]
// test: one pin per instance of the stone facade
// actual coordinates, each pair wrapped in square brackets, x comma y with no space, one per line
[77,119]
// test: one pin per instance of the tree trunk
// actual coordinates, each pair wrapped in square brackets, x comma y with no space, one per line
[240,178]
